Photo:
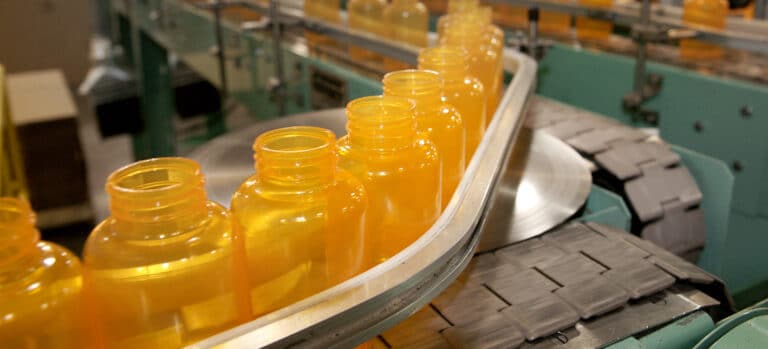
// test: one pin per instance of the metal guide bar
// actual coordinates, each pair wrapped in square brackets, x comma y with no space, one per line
[378,299]
[739,34]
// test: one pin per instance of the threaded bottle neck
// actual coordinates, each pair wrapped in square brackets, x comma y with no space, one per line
[18,235]
[296,156]
[423,87]
[161,192]
[382,124]
[451,63]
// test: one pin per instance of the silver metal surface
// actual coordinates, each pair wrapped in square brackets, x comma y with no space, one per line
[370,303]
[635,318]
[545,183]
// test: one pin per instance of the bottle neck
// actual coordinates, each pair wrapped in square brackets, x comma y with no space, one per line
[381,124]
[157,198]
[18,235]
[450,62]
[296,156]
[455,6]
[423,87]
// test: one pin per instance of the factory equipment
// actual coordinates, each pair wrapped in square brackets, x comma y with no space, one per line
[535,282]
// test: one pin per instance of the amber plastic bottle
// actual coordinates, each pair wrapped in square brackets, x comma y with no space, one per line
[366,15]
[484,56]
[40,284]
[327,10]
[510,15]
[440,121]
[555,23]
[406,21]
[707,13]
[460,89]
[165,269]
[300,217]
[399,168]
[594,29]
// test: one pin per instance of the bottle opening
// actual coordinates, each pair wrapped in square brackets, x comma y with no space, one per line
[154,189]
[450,62]
[299,154]
[381,123]
[414,84]
[295,142]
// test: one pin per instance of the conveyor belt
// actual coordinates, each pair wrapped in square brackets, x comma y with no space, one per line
[582,285]
[664,196]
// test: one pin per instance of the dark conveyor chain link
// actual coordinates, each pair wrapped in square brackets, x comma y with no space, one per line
[664,196]
[541,292]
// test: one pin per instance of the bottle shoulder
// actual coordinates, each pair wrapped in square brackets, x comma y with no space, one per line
[55,270]
[422,154]
[108,246]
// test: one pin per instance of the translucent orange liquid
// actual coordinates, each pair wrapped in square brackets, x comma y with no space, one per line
[510,15]
[165,270]
[366,15]
[399,170]
[406,21]
[301,219]
[707,13]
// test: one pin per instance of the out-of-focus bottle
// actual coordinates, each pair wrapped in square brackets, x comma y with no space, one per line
[406,21]
[747,12]
[484,57]
[594,29]
[706,13]
[555,23]
[40,284]
[460,89]
[327,10]
[399,168]
[510,15]
[165,269]
[366,15]
[440,121]
[456,6]
[301,219]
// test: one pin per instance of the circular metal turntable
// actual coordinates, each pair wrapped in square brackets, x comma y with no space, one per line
[544,184]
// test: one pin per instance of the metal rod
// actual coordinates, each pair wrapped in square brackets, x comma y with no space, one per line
[761,12]
[645,20]
[533,33]
[220,54]
[274,15]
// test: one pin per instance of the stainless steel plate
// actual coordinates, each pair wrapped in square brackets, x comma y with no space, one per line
[544,183]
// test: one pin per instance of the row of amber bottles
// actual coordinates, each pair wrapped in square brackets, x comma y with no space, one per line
[169,268]
[404,21]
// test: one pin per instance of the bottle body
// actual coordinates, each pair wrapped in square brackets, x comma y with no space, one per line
[484,60]
[327,10]
[406,21]
[165,270]
[40,286]
[439,121]
[460,89]
[594,29]
[555,23]
[366,15]
[706,13]
[307,228]
[399,169]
